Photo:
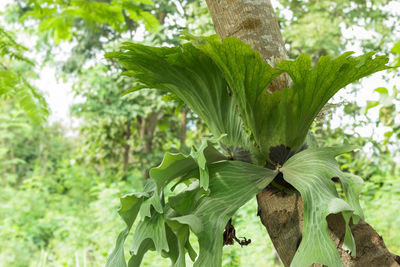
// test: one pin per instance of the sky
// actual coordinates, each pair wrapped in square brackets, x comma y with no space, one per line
[60,97]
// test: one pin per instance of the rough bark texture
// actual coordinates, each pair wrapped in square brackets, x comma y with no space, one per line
[127,147]
[282,215]
[254,22]
[147,130]
[183,129]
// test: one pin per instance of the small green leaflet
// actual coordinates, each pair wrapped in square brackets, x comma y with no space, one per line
[175,165]
[281,119]
[166,225]
[310,172]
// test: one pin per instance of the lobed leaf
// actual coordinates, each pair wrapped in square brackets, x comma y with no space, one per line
[194,78]
[175,165]
[232,184]
[279,120]
[204,211]
[310,172]
[130,205]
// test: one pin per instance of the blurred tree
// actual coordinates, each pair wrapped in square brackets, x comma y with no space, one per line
[322,23]
[14,85]
[115,128]
[20,105]
[26,147]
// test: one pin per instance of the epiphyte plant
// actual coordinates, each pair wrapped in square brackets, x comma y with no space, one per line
[263,134]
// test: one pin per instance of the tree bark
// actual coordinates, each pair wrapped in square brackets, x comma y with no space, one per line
[127,147]
[254,22]
[183,129]
[151,123]
[147,131]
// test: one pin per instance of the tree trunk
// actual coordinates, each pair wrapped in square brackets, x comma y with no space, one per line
[183,129]
[147,130]
[127,147]
[254,22]
[151,123]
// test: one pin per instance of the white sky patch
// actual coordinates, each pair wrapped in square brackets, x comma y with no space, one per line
[58,94]
[3,4]
[365,93]
[368,85]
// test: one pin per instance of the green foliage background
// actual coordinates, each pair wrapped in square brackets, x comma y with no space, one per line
[59,193]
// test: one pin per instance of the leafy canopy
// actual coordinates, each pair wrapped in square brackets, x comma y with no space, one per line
[226,84]
[13,85]
[62,17]
[322,23]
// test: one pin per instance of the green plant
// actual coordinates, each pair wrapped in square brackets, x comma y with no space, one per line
[263,135]
[13,83]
